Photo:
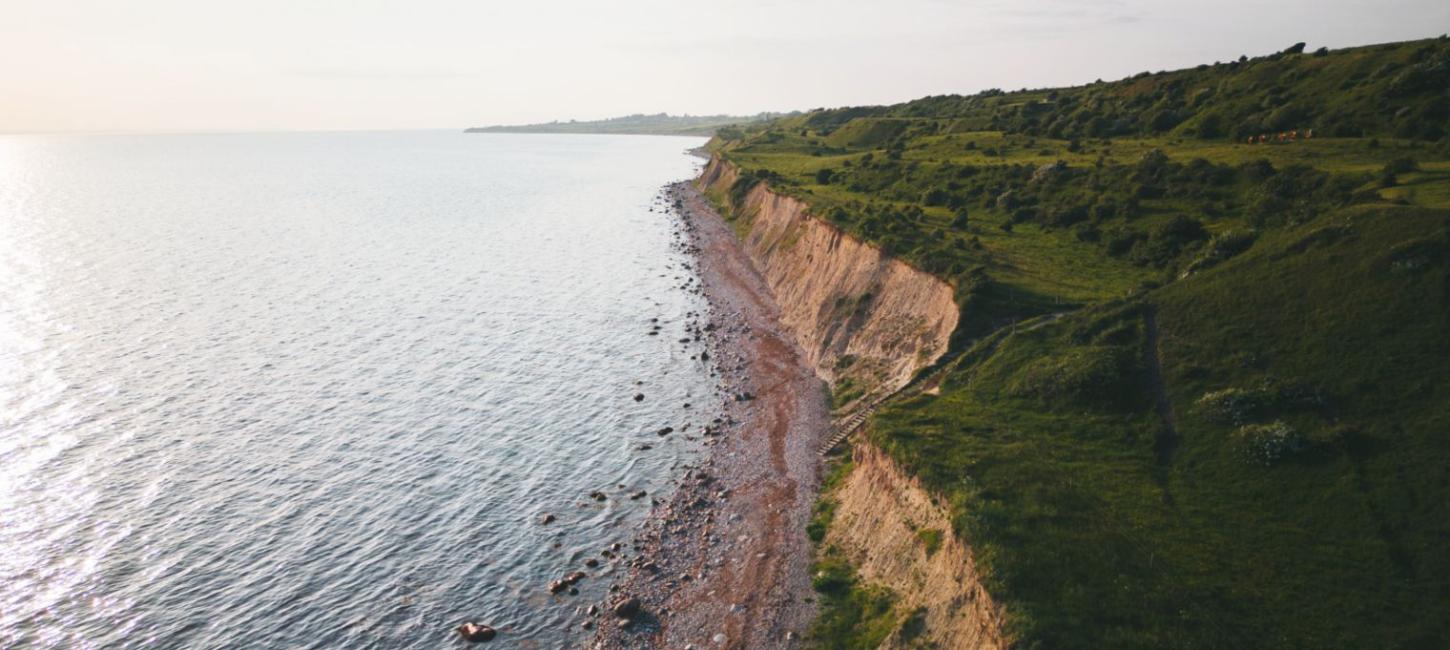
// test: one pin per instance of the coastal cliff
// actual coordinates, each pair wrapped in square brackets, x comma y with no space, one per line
[866,321]
[1200,399]
[895,535]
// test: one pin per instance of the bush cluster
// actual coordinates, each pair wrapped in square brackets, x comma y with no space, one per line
[1266,444]
[1235,406]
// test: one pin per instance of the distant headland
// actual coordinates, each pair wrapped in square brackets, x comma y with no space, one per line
[637,124]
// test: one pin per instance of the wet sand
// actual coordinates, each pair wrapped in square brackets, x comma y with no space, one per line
[725,563]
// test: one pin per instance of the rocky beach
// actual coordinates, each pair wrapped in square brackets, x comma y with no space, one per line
[725,562]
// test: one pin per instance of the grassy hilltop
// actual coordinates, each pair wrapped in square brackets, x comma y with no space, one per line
[1230,428]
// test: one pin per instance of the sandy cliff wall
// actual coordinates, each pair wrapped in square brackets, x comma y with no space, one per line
[840,297]
[878,515]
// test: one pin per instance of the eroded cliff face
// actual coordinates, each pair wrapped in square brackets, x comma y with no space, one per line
[864,317]
[857,314]
[879,516]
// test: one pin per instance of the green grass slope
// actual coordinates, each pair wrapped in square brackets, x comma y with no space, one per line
[1294,496]
[1198,396]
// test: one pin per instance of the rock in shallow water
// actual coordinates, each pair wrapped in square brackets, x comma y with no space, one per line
[476,633]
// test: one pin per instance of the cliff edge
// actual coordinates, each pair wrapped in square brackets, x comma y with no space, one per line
[866,321]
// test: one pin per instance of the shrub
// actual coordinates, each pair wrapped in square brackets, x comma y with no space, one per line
[959,221]
[1210,126]
[1105,208]
[1232,405]
[822,513]
[1097,375]
[833,576]
[934,197]
[1064,216]
[1121,241]
[1167,239]
[930,538]
[853,615]
[741,187]
[1401,166]
[1221,247]
[1007,200]
[1231,243]
[1266,444]
[1257,171]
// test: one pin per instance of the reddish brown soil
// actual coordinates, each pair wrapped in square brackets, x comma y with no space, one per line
[725,563]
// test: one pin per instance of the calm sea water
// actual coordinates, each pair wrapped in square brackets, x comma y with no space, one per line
[314,390]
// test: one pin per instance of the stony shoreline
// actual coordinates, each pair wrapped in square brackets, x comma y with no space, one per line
[725,562]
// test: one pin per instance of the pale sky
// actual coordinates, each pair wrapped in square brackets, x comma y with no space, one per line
[184,65]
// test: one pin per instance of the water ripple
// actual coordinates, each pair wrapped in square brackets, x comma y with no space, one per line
[313,390]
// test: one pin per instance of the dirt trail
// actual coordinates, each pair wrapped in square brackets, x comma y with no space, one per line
[1167,440]
[726,562]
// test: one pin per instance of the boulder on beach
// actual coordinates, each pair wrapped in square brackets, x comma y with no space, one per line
[626,608]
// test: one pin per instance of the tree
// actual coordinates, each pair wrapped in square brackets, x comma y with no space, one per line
[1210,126]
[1401,166]
[824,175]
[935,196]
[1297,48]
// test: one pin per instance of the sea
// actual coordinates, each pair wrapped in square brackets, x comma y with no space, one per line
[320,390]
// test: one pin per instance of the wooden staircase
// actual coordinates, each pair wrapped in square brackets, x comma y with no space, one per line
[843,429]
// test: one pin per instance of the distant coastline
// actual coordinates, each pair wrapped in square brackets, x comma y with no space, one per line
[637,124]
